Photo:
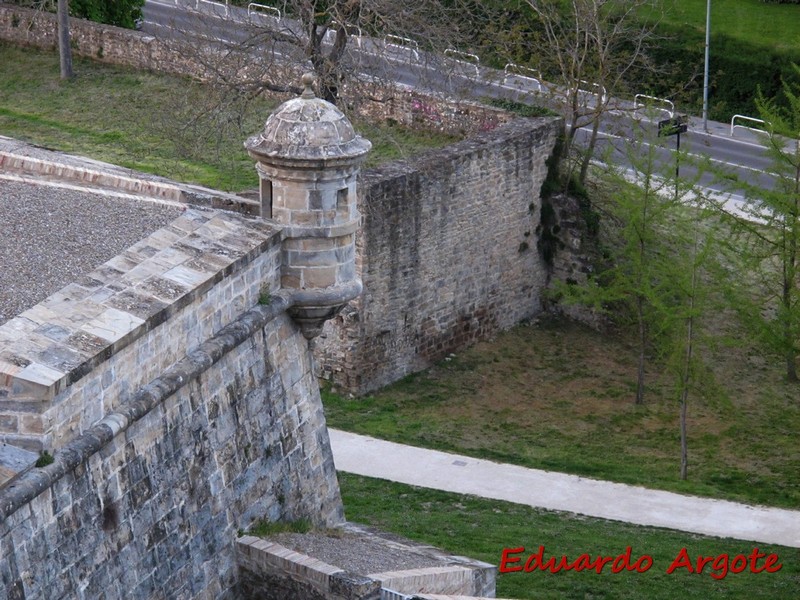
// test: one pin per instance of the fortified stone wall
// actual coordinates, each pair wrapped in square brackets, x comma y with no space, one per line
[86,349]
[447,253]
[376,100]
[181,411]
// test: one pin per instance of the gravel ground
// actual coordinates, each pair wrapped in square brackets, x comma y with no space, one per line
[51,236]
[354,553]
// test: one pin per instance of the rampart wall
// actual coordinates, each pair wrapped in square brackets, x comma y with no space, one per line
[87,348]
[447,253]
[178,410]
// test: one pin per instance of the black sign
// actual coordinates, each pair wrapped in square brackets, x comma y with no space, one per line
[673,126]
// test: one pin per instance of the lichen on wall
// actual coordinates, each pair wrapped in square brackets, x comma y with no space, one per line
[448,255]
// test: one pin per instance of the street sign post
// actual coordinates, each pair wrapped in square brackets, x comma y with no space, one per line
[675,126]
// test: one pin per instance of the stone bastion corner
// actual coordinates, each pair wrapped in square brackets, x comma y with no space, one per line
[172,388]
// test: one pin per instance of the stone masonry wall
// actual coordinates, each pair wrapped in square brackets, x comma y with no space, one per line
[178,410]
[447,255]
[150,508]
[75,357]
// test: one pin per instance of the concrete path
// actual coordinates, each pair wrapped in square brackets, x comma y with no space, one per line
[367,456]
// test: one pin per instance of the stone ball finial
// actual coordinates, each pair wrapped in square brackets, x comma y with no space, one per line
[308,83]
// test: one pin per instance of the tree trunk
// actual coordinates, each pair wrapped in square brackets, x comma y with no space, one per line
[587,158]
[64,49]
[640,299]
[569,140]
[788,333]
[684,443]
[790,275]
[687,364]
[642,349]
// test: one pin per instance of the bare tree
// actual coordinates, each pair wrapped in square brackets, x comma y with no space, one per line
[592,47]
[344,42]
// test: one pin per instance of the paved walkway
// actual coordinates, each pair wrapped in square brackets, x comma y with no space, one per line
[555,491]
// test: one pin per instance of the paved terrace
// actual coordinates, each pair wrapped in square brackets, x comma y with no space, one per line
[50,236]
[61,217]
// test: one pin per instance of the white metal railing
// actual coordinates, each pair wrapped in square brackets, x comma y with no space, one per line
[653,100]
[749,119]
[594,88]
[402,43]
[522,72]
[352,31]
[263,10]
[464,58]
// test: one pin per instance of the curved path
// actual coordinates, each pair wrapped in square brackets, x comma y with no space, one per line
[371,457]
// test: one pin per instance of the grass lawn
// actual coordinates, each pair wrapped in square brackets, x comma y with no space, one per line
[559,396]
[481,529]
[169,126]
[776,26]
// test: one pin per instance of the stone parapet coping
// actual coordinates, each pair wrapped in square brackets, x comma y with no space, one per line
[272,556]
[30,484]
[445,578]
[57,342]
[24,159]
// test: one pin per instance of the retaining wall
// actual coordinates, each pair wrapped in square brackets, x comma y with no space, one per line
[447,254]
[178,411]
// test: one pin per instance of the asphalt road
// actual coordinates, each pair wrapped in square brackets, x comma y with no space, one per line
[740,155]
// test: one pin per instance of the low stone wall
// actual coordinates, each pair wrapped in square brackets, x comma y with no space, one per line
[448,255]
[28,160]
[148,503]
[371,99]
[271,571]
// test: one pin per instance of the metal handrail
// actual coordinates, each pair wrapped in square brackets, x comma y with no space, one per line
[745,118]
[225,4]
[263,8]
[509,71]
[603,95]
[348,27]
[670,111]
[464,57]
[402,43]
